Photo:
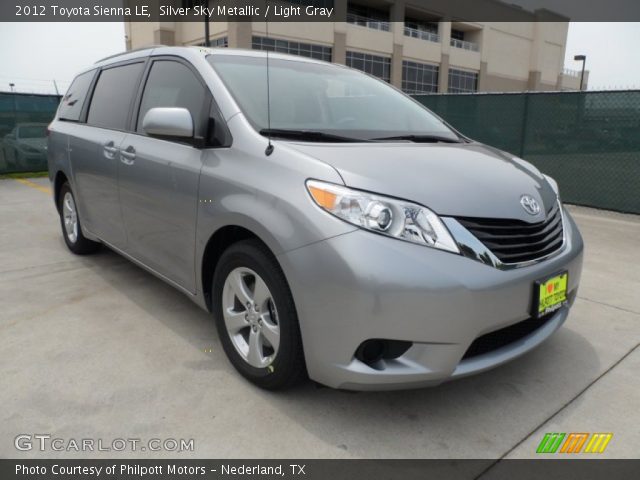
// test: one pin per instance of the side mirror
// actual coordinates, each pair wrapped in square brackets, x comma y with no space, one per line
[168,122]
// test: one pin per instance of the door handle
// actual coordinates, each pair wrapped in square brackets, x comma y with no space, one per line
[128,156]
[109,149]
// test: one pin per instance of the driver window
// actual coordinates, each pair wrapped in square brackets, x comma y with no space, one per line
[172,84]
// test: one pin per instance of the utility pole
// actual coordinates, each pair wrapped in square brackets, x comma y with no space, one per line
[207,43]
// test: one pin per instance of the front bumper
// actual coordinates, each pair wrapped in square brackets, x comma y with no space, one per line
[361,286]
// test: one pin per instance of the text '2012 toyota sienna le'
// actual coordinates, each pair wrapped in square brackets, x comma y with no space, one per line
[332,225]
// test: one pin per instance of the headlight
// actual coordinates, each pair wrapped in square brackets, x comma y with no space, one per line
[388,216]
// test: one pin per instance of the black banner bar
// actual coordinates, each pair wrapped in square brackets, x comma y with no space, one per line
[583,469]
[310,10]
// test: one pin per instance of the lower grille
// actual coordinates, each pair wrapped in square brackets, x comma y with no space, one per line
[515,241]
[499,338]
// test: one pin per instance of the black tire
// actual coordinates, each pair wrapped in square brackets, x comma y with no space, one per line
[287,367]
[81,245]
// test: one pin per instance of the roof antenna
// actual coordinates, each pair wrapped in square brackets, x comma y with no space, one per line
[269,149]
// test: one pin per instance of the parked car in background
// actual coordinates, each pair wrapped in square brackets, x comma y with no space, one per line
[25,147]
[332,225]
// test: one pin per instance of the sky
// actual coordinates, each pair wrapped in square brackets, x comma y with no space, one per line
[32,55]
[613,58]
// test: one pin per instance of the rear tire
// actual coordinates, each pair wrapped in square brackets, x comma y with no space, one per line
[70,223]
[256,317]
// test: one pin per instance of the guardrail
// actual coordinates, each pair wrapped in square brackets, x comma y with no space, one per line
[421,34]
[368,22]
[464,45]
[571,73]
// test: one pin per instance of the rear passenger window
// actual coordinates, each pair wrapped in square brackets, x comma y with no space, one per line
[172,84]
[73,101]
[113,96]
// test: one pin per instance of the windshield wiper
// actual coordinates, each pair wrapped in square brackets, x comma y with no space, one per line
[313,135]
[422,138]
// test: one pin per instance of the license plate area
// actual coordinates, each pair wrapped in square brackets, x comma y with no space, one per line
[550,294]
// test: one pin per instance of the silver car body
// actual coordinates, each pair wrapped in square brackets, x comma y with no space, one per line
[24,147]
[170,208]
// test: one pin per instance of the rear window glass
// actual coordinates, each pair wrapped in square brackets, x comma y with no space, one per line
[113,96]
[73,101]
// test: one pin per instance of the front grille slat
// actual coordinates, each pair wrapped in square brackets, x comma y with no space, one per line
[523,257]
[516,241]
[552,225]
[500,223]
[527,245]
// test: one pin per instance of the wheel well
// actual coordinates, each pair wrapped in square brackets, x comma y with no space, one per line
[57,185]
[218,243]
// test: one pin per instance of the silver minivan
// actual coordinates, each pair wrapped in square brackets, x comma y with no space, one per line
[333,226]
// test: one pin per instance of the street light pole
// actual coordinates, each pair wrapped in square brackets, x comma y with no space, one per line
[11,85]
[207,43]
[583,59]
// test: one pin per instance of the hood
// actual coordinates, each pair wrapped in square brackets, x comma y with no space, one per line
[470,180]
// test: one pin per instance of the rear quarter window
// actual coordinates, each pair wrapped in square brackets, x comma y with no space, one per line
[73,101]
[113,96]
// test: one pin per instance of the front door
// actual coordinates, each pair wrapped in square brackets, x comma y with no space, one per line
[158,179]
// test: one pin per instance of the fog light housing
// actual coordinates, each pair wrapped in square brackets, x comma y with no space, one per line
[374,351]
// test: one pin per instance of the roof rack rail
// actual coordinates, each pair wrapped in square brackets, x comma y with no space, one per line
[148,47]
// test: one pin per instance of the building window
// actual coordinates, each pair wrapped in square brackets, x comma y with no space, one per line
[419,77]
[221,42]
[373,64]
[457,34]
[368,17]
[461,81]
[421,25]
[319,52]
[421,29]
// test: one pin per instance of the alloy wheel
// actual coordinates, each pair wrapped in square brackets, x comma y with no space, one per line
[250,317]
[70,216]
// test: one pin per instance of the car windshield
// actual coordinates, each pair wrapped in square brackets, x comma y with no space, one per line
[325,98]
[32,131]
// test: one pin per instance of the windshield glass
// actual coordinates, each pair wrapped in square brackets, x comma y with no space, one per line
[323,97]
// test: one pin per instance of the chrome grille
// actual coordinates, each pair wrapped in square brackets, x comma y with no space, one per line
[515,241]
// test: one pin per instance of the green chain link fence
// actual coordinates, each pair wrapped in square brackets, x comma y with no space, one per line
[588,141]
[23,127]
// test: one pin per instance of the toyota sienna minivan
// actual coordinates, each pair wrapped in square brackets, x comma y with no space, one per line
[333,226]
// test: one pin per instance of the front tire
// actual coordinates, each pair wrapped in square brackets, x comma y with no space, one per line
[256,317]
[70,223]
